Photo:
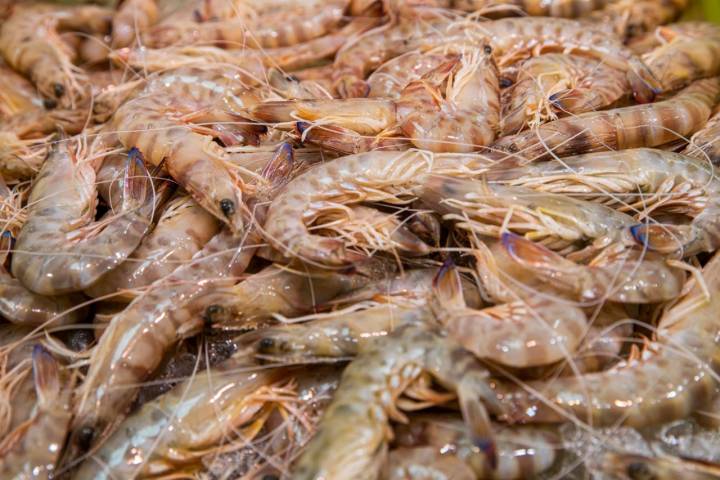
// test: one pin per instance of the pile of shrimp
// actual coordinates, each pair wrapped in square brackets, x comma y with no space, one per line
[359,239]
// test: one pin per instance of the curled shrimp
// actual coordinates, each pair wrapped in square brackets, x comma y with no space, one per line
[453,108]
[621,128]
[30,43]
[60,248]
[369,177]
[132,18]
[554,85]
[32,449]
[181,231]
[559,222]
[689,52]
[422,446]
[352,440]
[133,344]
[228,402]
[669,382]
[389,80]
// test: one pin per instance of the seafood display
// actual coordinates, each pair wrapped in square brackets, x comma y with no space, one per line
[359,239]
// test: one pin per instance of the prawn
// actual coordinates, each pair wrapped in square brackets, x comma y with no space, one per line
[630,466]
[705,144]
[369,177]
[59,248]
[689,52]
[554,85]
[32,449]
[389,80]
[538,8]
[670,381]
[352,440]
[630,18]
[21,159]
[422,444]
[132,18]
[618,129]
[181,231]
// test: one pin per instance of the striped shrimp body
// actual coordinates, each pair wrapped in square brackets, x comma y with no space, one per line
[452,108]
[618,129]
[672,379]
[159,124]
[368,177]
[135,341]
[352,440]
[181,231]
[516,37]
[559,222]
[31,44]
[389,80]
[280,28]
[537,8]
[32,450]
[423,444]
[200,414]
[630,18]
[554,85]
[524,333]
[636,467]
[60,248]
[690,51]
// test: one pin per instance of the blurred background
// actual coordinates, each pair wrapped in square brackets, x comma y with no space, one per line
[704,10]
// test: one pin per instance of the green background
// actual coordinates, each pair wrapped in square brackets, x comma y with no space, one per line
[704,10]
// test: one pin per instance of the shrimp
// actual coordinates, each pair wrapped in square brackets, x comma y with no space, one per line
[464,120]
[60,249]
[559,222]
[181,231]
[630,18]
[279,290]
[690,52]
[157,123]
[30,43]
[200,414]
[136,339]
[637,467]
[422,444]
[281,28]
[21,159]
[369,177]
[632,277]
[32,450]
[524,333]
[352,440]
[538,8]
[555,85]
[705,144]
[132,18]
[670,381]
[389,80]
[618,129]
[511,38]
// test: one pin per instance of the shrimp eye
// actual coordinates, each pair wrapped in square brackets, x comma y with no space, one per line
[505,82]
[49,103]
[266,343]
[487,49]
[227,206]
[639,471]
[85,437]
[58,89]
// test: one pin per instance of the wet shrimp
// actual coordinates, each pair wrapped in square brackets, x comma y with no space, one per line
[21,159]
[537,8]
[279,28]
[690,52]
[630,18]
[672,379]
[132,18]
[30,43]
[639,467]
[453,108]
[352,440]
[135,341]
[369,177]
[559,222]
[705,144]
[32,450]
[555,85]
[230,401]
[389,80]
[618,129]
[422,444]
[181,231]
[61,248]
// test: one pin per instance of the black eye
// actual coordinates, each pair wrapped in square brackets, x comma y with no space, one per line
[487,49]
[227,206]
[639,471]
[49,103]
[58,89]
[85,437]
[505,82]
[266,343]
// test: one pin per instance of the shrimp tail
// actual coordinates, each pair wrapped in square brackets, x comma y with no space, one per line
[447,289]
[664,238]
[6,243]
[136,180]
[534,256]
[344,140]
[278,169]
[644,85]
[472,397]
[46,375]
